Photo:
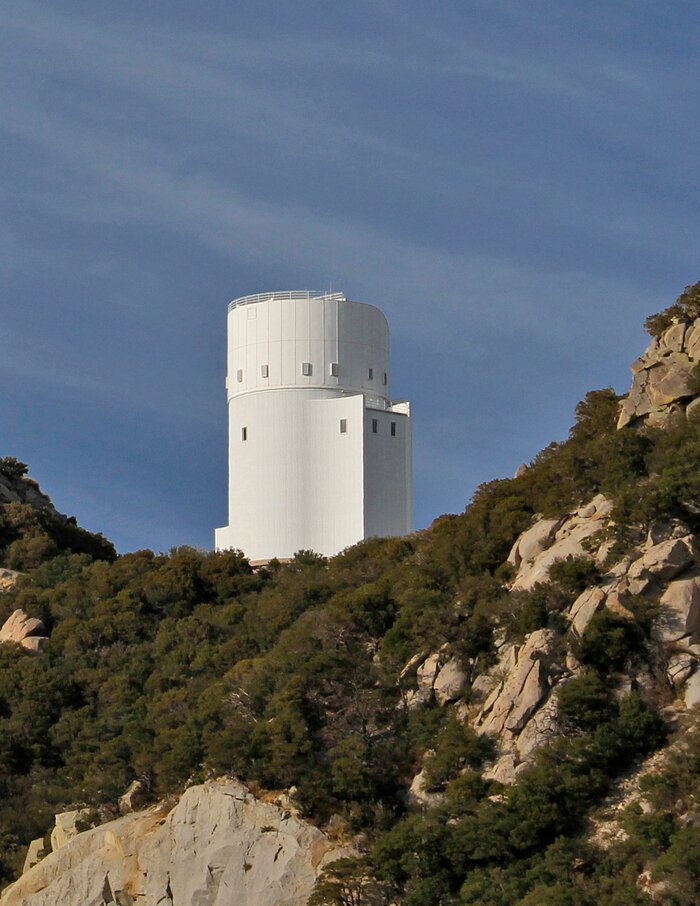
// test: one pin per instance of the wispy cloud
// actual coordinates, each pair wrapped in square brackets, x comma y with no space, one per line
[228,74]
[184,68]
[502,194]
[29,362]
[214,213]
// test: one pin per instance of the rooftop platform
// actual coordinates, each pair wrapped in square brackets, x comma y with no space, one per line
[286,296]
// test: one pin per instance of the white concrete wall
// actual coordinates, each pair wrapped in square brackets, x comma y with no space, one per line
[388,469]
[334,477]
[296,482]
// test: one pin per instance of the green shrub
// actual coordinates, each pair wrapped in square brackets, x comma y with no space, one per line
[584,702]
[685,308]
[610,641]
[532,615]
[679,867]
[653,832]
[457,747]
[12,468]
[574,574]
[538,608]
[348,882]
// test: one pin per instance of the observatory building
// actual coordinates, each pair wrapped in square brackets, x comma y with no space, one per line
[319,455]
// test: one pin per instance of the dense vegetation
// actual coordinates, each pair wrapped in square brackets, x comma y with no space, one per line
[171,668]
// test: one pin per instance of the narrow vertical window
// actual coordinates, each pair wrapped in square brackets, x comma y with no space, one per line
[306,368]
[343,426]
[375,426]
[334,369]
[265,370]
[385,379]
[393,429]
[244,434]
[239,375]
[371,374]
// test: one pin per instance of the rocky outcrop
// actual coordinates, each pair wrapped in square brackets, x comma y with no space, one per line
[522,688]
[24,490]
[133,797]
[68,825]
[521,710]
[36,851]
[549,540]
[219,845]
[29,632]
[424,675]
[585,607]
[419,796]
[8,578]
[680,666]
[533,541]
[410,669]
[661,562]
[515,699]
[692,691]
[543,726]
[450,681]
[664,377]
[680,610]
[440,675]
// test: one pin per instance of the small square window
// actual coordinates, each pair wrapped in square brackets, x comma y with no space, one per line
[239,375]
[385,379]
[306,368]
[343,426]
[334,369]
[393,429]
[265,370]
[244,434]
[375,426]
[371,374]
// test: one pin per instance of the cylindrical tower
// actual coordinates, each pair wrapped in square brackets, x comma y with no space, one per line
[303,370]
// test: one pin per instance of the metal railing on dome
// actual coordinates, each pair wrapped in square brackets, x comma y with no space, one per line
[289,295]
[401,407]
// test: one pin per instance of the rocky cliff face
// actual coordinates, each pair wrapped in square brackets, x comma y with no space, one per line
[20,489]
[665,381]
[515,701]
[217,846]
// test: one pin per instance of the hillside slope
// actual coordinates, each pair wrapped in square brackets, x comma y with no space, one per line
[461,703]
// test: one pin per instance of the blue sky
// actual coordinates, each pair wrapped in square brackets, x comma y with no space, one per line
[515,185]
